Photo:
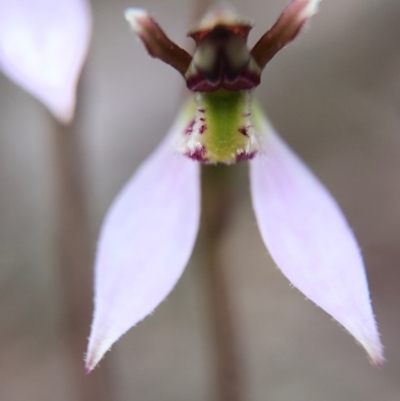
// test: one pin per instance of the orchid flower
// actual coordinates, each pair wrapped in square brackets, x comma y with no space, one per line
[150,230]
[43,44]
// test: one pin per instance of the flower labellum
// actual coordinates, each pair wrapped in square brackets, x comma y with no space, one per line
[150,230]
[43,44]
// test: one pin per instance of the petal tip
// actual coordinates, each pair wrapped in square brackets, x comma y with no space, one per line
[90,362]
[63,115]
[100,342]
[301,10]
[310,8]
[133,16]
[93,357]
[375,354]
[378,363]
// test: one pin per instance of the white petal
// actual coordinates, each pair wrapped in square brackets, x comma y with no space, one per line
[146,241]
[310,240]
[43,44]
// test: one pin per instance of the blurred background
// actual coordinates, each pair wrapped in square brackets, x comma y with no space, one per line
[334,95]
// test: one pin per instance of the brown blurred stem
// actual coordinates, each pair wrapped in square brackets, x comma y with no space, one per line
[216,211]
[74,257]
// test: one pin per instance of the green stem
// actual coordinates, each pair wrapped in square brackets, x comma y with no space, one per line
[216,210]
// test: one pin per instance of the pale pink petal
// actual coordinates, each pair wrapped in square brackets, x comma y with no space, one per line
[145,244]
[310,240]
[43,44]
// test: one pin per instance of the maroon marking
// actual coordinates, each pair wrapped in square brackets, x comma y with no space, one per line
[189,129]
[246,80]
[202,111]
[243,131]
[202,119]
[198,155]
[241,157]
[202,128]
[197,83]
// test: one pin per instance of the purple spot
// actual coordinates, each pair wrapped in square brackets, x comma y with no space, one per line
[202,119]
[199,155]
[243,131]
[202,110]
[202,128]
[189,129]
[241,157]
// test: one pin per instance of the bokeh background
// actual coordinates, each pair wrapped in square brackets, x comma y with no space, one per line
[334,95]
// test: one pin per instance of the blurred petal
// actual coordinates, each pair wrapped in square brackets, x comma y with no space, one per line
[310,240]
[43,44]
[145,244]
